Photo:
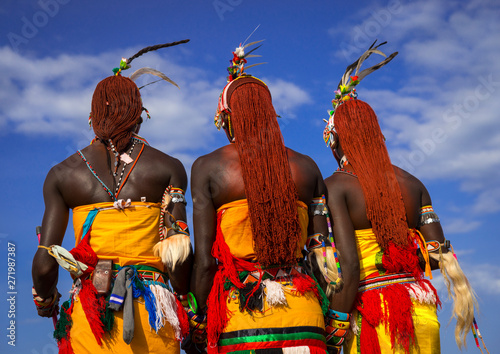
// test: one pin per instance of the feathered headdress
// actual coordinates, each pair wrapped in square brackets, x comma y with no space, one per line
[236,70]
[346,88]
[125,63]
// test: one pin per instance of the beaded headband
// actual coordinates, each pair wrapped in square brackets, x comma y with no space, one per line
[223,105]
[346,88]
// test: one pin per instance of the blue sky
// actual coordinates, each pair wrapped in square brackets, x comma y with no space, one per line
[438,104]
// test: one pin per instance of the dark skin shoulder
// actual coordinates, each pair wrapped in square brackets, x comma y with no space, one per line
[216,179]
[71,184]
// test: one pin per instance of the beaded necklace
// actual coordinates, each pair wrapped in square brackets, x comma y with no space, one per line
[120,184]
[80,153]
[341,170]
[125,165]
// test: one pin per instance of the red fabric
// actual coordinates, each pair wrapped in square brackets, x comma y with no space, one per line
[93,305]
[217,314]
[303,283]
[402,260]
[65,346]
[85,254]
[183,318]
[398,305]
[221,251]
[396,315]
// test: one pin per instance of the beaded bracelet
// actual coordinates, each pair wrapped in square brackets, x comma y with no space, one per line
[45,307]
[198,324]
[337,326]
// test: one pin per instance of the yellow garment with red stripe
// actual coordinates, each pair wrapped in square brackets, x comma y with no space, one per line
[298,325]
[424,311]
[127,237]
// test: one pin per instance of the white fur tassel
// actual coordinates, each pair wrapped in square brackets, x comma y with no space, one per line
[166,308]
[274,295]
[332,273]
[422,294]
[173,250]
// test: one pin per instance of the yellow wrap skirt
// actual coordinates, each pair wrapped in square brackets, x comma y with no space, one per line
[127,237]
[421,294]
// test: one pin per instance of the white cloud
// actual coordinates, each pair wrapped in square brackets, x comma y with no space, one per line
[441,117]
[287,96]
[52,96]
[484,279]
[460,226]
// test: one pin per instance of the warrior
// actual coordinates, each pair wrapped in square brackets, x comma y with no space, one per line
[255,204]
[132,241]
[399,238]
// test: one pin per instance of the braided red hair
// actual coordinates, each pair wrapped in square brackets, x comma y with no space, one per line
[363,144]
[116,109]
[269,187]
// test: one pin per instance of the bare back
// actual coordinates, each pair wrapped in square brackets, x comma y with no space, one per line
[71,184]
[152,173]
[346,186]
[221,170]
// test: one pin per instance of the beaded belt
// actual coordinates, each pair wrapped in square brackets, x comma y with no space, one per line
[283,273]
[149,275]
[385,280]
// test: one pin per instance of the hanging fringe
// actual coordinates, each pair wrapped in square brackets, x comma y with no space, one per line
[424,293]
[63,329]
[217,314]
[251,297]
[85,254]
[402,260]
[166,309]
[108,318]
[275,296]
[65,346]
[173,250]
[183,319]
[303,283]
[140,289]
[93,306]
[395,312]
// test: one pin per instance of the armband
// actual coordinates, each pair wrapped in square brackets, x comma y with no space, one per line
[317,206]
[172,249]
[317,241]
[177,195]
[435,246]
[427,216]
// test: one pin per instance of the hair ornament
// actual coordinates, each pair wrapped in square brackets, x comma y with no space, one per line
[346,89]
[125,64]
[236,71]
